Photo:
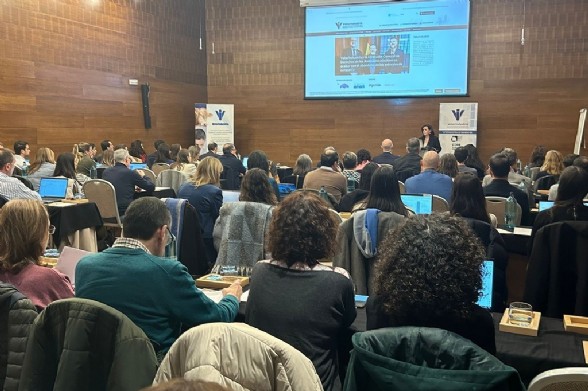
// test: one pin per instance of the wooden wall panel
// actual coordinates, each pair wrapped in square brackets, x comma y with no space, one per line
[527,94]
[65,66]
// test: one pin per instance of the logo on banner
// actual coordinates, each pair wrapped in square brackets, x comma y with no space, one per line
[220,113]
[338,24]
[457,113]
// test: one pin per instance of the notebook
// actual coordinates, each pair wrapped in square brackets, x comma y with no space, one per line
[421,204]
[68,259]
[485,299]
[52,189]
[138,166]
[230,196]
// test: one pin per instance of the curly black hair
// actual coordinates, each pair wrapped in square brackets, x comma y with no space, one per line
[429,268]
[303,229]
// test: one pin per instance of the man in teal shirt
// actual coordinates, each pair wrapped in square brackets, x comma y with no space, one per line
[157,294]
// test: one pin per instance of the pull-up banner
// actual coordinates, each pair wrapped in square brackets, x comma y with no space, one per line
[216,121]
[458,125]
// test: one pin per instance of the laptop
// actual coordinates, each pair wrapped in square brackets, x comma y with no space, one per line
[485,299]
[138,166]
[244,161]
[52,189]
[544,205]
[230,196]
[421,204]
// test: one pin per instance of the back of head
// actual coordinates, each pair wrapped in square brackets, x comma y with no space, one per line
[448,165]
[582,162]
[511,154]
[183,156]
[387,145]
[208,171]
[467,198]
[108,158]
[44,155]
[499,165]
[413,145]
[256,187]
[363,155]
[573,186]
[228,148]
[136,149]
[19,146]
[385,192]
[174,150]
[24,234]
[329,159]
[568,160]
[194,152]
[6,157]
[303,165]
[538,155]
[212,146]
[349,160]
[553,163]
[303,229]
[157,143]
[65,165]
[258,159]
[461,154]
[430,160]
[365,179]
[104,144]
[163,153]
[410,293]
[145,216]
[120,146]
[120,155]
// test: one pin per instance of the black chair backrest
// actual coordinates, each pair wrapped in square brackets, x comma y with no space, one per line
[99,172]
[3,200]
[544,183]
[25,181]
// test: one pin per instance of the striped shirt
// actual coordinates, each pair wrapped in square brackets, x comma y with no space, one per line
[11,188]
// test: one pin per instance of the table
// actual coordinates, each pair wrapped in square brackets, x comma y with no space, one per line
[75,224]
[159,192]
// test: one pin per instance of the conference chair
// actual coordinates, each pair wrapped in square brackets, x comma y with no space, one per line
[497,207]
[557,275]
[332,202]
[100,172]
[25,181]
[561,379]
[440,205]
[171,178]
[402,187]
[411,358]
[149,174]
[159,167]
[103,194]
[79,344]
[533,171]
[201,355]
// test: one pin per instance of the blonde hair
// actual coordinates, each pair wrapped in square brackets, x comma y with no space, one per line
[24,229]
[208,171]
[108,158]
[553,164]
[44,155]
[194,152]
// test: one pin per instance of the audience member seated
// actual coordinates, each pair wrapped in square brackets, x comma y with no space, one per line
[151,157]
[137,151]
[386,157]
[356,199]
[352,175]
[461,155]
[448,165]
[189,168]
[364,157]
[500,187]
[107,159]
[295,298]
[85,156]
[66,168]
[553,165]
[182,158]
[301,168]
[473,160]
[204,194]
[25,233]
[258,159]
[429,181]
[233,168]
[360,236]
[256,188]
[163,154]
[174,149]
[212,151]
[569,204]
[537,156]
[514,177]
[568,161]
[105,145]
[328,175]
[11,188]
[409,164]
[21,153]
[157,294]
[43,166]
[125,180]
[468,202]
[429,275]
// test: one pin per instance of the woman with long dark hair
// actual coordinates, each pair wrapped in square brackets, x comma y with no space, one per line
[467,199]
[65,167]
[137,151]
[356,199]
[429,142]
[256,188]
[384,192]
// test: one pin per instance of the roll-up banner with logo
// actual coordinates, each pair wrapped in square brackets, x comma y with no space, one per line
[214,123]
[458,125]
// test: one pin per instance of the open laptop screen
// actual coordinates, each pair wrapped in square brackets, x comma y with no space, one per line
[244,160]
[544,205]
[138,166]
[485,299]
[418,203]
[53,187]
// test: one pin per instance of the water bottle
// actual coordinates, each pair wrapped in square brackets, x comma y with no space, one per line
[527,171]
[510,212]
[323,194]
[24,169]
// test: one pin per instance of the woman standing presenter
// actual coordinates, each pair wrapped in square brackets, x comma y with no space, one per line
[429,142]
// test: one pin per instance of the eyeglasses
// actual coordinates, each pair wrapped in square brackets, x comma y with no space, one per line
[170,237]
[51,229]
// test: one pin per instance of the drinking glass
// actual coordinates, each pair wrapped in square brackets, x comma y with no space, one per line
[520,314]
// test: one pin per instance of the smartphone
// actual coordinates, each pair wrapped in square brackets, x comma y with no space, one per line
[360,301]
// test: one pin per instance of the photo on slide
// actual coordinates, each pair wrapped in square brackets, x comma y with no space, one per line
[381,54]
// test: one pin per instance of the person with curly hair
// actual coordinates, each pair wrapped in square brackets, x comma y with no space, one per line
[430,275]
[295,298]
[25,233]
[256,188]
[258,159]
[553,165]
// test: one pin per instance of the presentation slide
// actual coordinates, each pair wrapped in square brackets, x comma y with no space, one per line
[398,49]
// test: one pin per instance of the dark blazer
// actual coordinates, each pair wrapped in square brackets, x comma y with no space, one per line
[232,168]
[385,158]
[207,200]
[407,166]
[433,145]
[501,188]
[124,181]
